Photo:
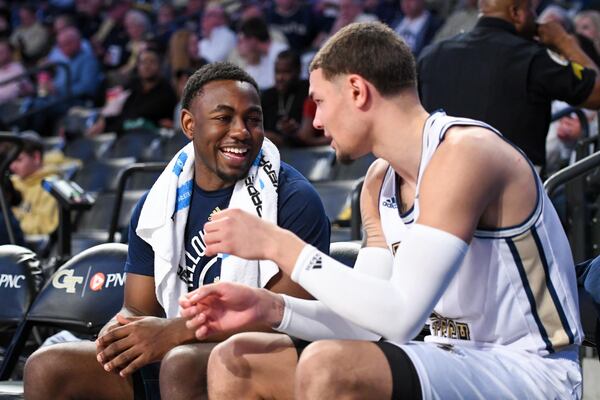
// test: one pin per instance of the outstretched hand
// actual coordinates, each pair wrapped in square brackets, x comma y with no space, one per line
[225,307]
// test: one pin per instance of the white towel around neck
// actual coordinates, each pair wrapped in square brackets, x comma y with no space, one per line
[164,216]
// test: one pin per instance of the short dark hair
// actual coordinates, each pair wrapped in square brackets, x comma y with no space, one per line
[255,27]
[371,50]
[219,71]
[32,143]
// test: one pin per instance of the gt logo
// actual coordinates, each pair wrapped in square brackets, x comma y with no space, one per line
[65,280]
[97,281]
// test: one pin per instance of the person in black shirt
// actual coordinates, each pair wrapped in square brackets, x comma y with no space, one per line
[150,103]
[498,74]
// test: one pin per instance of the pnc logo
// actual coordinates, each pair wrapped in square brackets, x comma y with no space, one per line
[65,280]
[97,281]
[10,281]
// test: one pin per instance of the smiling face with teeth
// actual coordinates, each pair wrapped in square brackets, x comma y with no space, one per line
[225,123]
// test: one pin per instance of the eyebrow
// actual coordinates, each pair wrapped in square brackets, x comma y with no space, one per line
[226,108]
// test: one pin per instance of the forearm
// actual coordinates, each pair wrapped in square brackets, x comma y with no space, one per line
[569,47]
[311,320]
[396,308]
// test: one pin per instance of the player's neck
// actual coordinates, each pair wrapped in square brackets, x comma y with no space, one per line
[398,135]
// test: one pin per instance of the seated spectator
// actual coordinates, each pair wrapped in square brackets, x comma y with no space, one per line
[88,14]
[166,25]
[150,102]
[349,11]
[9,68]
[38,211]
[258,51]
[30,37]
[183,52]
[110,41]
[296,21]
[418,25]
[284,105]
[462,19]
[587,23]
[83,67]
[61,22]
[217,39]
[137,27]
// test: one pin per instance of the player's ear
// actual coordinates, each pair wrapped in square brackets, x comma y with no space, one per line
[359,89]
[187,123]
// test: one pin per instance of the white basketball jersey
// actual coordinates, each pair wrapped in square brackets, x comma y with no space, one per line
[516,285]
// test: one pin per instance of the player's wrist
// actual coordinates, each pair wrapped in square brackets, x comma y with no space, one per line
[284,249]
[272,308]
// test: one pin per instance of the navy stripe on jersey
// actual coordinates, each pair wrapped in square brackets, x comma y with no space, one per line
[529,293]
[551,289]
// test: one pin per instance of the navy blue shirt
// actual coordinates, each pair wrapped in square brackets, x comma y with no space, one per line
[16,228]
[299,210]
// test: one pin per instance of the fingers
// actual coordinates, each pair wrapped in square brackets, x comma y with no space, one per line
[111,336]
[123,362]
[113,351]
[133,366]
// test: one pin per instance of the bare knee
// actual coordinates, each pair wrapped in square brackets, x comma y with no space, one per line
[318,374]
[183,371]
[46,372]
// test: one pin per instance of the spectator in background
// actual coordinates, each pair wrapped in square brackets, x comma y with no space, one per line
[258,51]
[296,21]
[587,23]
[150,102]
[137,26]
[110,40]
[30,38]
[9,68]
[418,25]
[462,19]
[166,25]
[83,67]
[61,22]
[5,28]
[38,211]
[506,79]
[183,52]
[88,14]
[217,39]
[285,104]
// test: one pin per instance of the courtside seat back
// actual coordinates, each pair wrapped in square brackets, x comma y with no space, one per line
[21,277]
[84,293]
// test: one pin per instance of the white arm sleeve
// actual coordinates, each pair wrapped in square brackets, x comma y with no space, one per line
[312,320]
[396,309]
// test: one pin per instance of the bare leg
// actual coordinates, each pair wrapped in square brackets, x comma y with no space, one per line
[70,371]
[343,369]
[183,372]
[253,365]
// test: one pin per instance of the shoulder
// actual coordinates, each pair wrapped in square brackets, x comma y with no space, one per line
[375,174]
[472,151]
[292,180]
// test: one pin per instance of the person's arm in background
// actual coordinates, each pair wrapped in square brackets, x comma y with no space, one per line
[553,35]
